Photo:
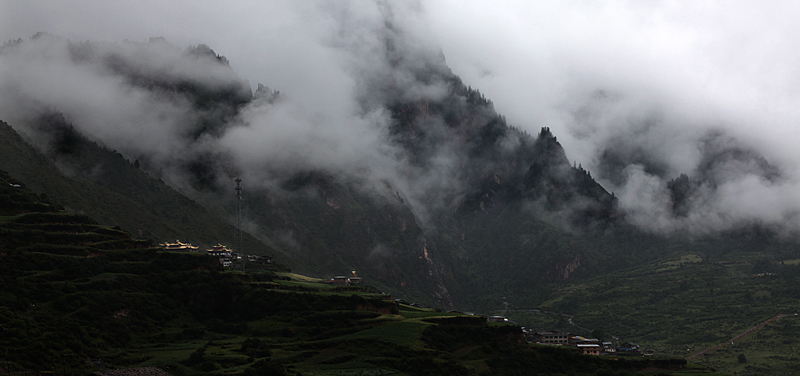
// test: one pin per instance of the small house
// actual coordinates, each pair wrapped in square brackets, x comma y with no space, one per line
[354,279]
[553,337]
[589,348]
[497,319]
[629,348]
[575,340]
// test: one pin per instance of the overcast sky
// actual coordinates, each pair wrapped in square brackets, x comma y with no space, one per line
[692,66]
[713,60]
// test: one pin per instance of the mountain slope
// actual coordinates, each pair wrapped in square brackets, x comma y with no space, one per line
[448,204]
[81,297]
[420,228]
[109,188]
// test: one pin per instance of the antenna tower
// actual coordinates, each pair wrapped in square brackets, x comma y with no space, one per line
[238,236]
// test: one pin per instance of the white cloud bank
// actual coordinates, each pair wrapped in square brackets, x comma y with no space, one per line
[644,85]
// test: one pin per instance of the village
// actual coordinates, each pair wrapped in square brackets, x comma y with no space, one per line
[233,260]
[588,346]
[227,257]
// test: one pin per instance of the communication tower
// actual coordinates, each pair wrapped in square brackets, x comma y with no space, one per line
[238,236]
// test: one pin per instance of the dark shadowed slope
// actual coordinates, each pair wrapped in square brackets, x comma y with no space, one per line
[108,188]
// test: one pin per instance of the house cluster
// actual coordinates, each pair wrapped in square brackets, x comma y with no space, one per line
[260,260]
[589,346]
[353,279]
[226,256]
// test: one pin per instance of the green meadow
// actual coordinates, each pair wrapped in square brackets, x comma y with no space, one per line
[684,305]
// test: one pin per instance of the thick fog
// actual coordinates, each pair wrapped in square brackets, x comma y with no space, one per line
[637,92]
[640,92]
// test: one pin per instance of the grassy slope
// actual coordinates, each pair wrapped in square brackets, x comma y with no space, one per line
[75,290]
[514,254]
[688,303]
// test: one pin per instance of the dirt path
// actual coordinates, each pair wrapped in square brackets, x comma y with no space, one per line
[734,339]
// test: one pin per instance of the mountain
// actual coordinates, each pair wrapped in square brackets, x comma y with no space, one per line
[431,194]
[80,297]
[400,230]
[89,179]
[416,183]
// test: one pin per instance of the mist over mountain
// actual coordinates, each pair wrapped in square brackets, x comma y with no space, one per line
[649,104]
[641,155]
[368,191]
[377,156]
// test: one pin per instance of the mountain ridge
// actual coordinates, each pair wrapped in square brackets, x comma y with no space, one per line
[406,237]
[464,209]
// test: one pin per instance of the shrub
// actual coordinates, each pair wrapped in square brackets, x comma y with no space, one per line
[255,348]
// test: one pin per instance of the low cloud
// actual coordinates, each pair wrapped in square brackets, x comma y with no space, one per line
[132,97]
[638,93]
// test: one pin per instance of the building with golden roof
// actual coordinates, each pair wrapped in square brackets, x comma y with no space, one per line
[178,246]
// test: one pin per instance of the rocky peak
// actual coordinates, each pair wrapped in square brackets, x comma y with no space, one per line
[264,93]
